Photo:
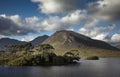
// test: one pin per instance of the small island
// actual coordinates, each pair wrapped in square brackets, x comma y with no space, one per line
[35,56]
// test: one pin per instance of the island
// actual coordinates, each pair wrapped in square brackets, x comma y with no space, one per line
[35,56]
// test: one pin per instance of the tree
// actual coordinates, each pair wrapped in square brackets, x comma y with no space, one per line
[46,47]
[27,47]
[43,47]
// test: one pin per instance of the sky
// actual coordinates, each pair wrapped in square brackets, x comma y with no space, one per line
[27,19]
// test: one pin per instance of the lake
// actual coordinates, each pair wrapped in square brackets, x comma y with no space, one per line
[105,67]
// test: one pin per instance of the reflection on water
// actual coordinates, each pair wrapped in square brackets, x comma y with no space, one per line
[108,67]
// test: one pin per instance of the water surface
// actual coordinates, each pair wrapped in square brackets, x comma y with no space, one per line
[105,67]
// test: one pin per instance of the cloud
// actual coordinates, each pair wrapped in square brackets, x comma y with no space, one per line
[16,19]
[99,33]
[32,20]
[58,6]
[70,29]
[91,23]
[2,36]
[15,25]
[107,10]
[27,38]
[115,38]
[9,27]
[58,23]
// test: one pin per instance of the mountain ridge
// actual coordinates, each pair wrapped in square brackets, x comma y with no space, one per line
[69,39]
[62,39]
[9,41]
[39,39]
[118,46]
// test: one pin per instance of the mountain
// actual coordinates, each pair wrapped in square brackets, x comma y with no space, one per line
[8,41]
[118,46]
[69,39]
[39,40]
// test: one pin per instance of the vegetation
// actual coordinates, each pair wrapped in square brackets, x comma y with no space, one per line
[92,58]
[43,47]
[17,47]
[86,52]
[45,54]
[3,61]
[27,57]
[42,59]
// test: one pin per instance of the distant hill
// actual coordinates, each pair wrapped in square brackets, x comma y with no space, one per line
[39,40]
[118,46]
[8,41]
[69,39]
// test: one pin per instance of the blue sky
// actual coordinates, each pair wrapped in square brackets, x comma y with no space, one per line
[26,19]
[21,7]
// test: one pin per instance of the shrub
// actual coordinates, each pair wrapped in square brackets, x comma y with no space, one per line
[92,58]
[3,61]
[46,58]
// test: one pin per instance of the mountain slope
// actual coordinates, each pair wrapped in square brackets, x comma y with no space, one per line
[8,41]
[39,40]
[118,46]
[69,39]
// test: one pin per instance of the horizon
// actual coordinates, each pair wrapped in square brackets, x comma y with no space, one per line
[25,20]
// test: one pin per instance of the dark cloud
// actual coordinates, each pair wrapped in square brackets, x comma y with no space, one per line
[106,10]
[8,27]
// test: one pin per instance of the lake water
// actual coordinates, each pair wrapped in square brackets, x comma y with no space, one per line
[105,67]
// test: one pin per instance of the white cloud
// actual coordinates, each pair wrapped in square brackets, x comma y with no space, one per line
[115,38]
[57,6]
[91,23]
[32,20]
[65,22]
[16,19]
[99,33]
[105,10]
[70,29]
[75,17]
[2,36]
[23,26]
[27,38]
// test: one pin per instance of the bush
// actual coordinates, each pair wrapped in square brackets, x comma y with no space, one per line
[3,61]
[46,58]
[18,62]
[43,47]
[25,61]
[92,58]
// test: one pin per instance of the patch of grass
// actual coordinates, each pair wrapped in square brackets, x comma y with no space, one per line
[92,58]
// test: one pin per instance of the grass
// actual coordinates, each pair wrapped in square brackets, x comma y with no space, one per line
[92,58]
[86,52]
